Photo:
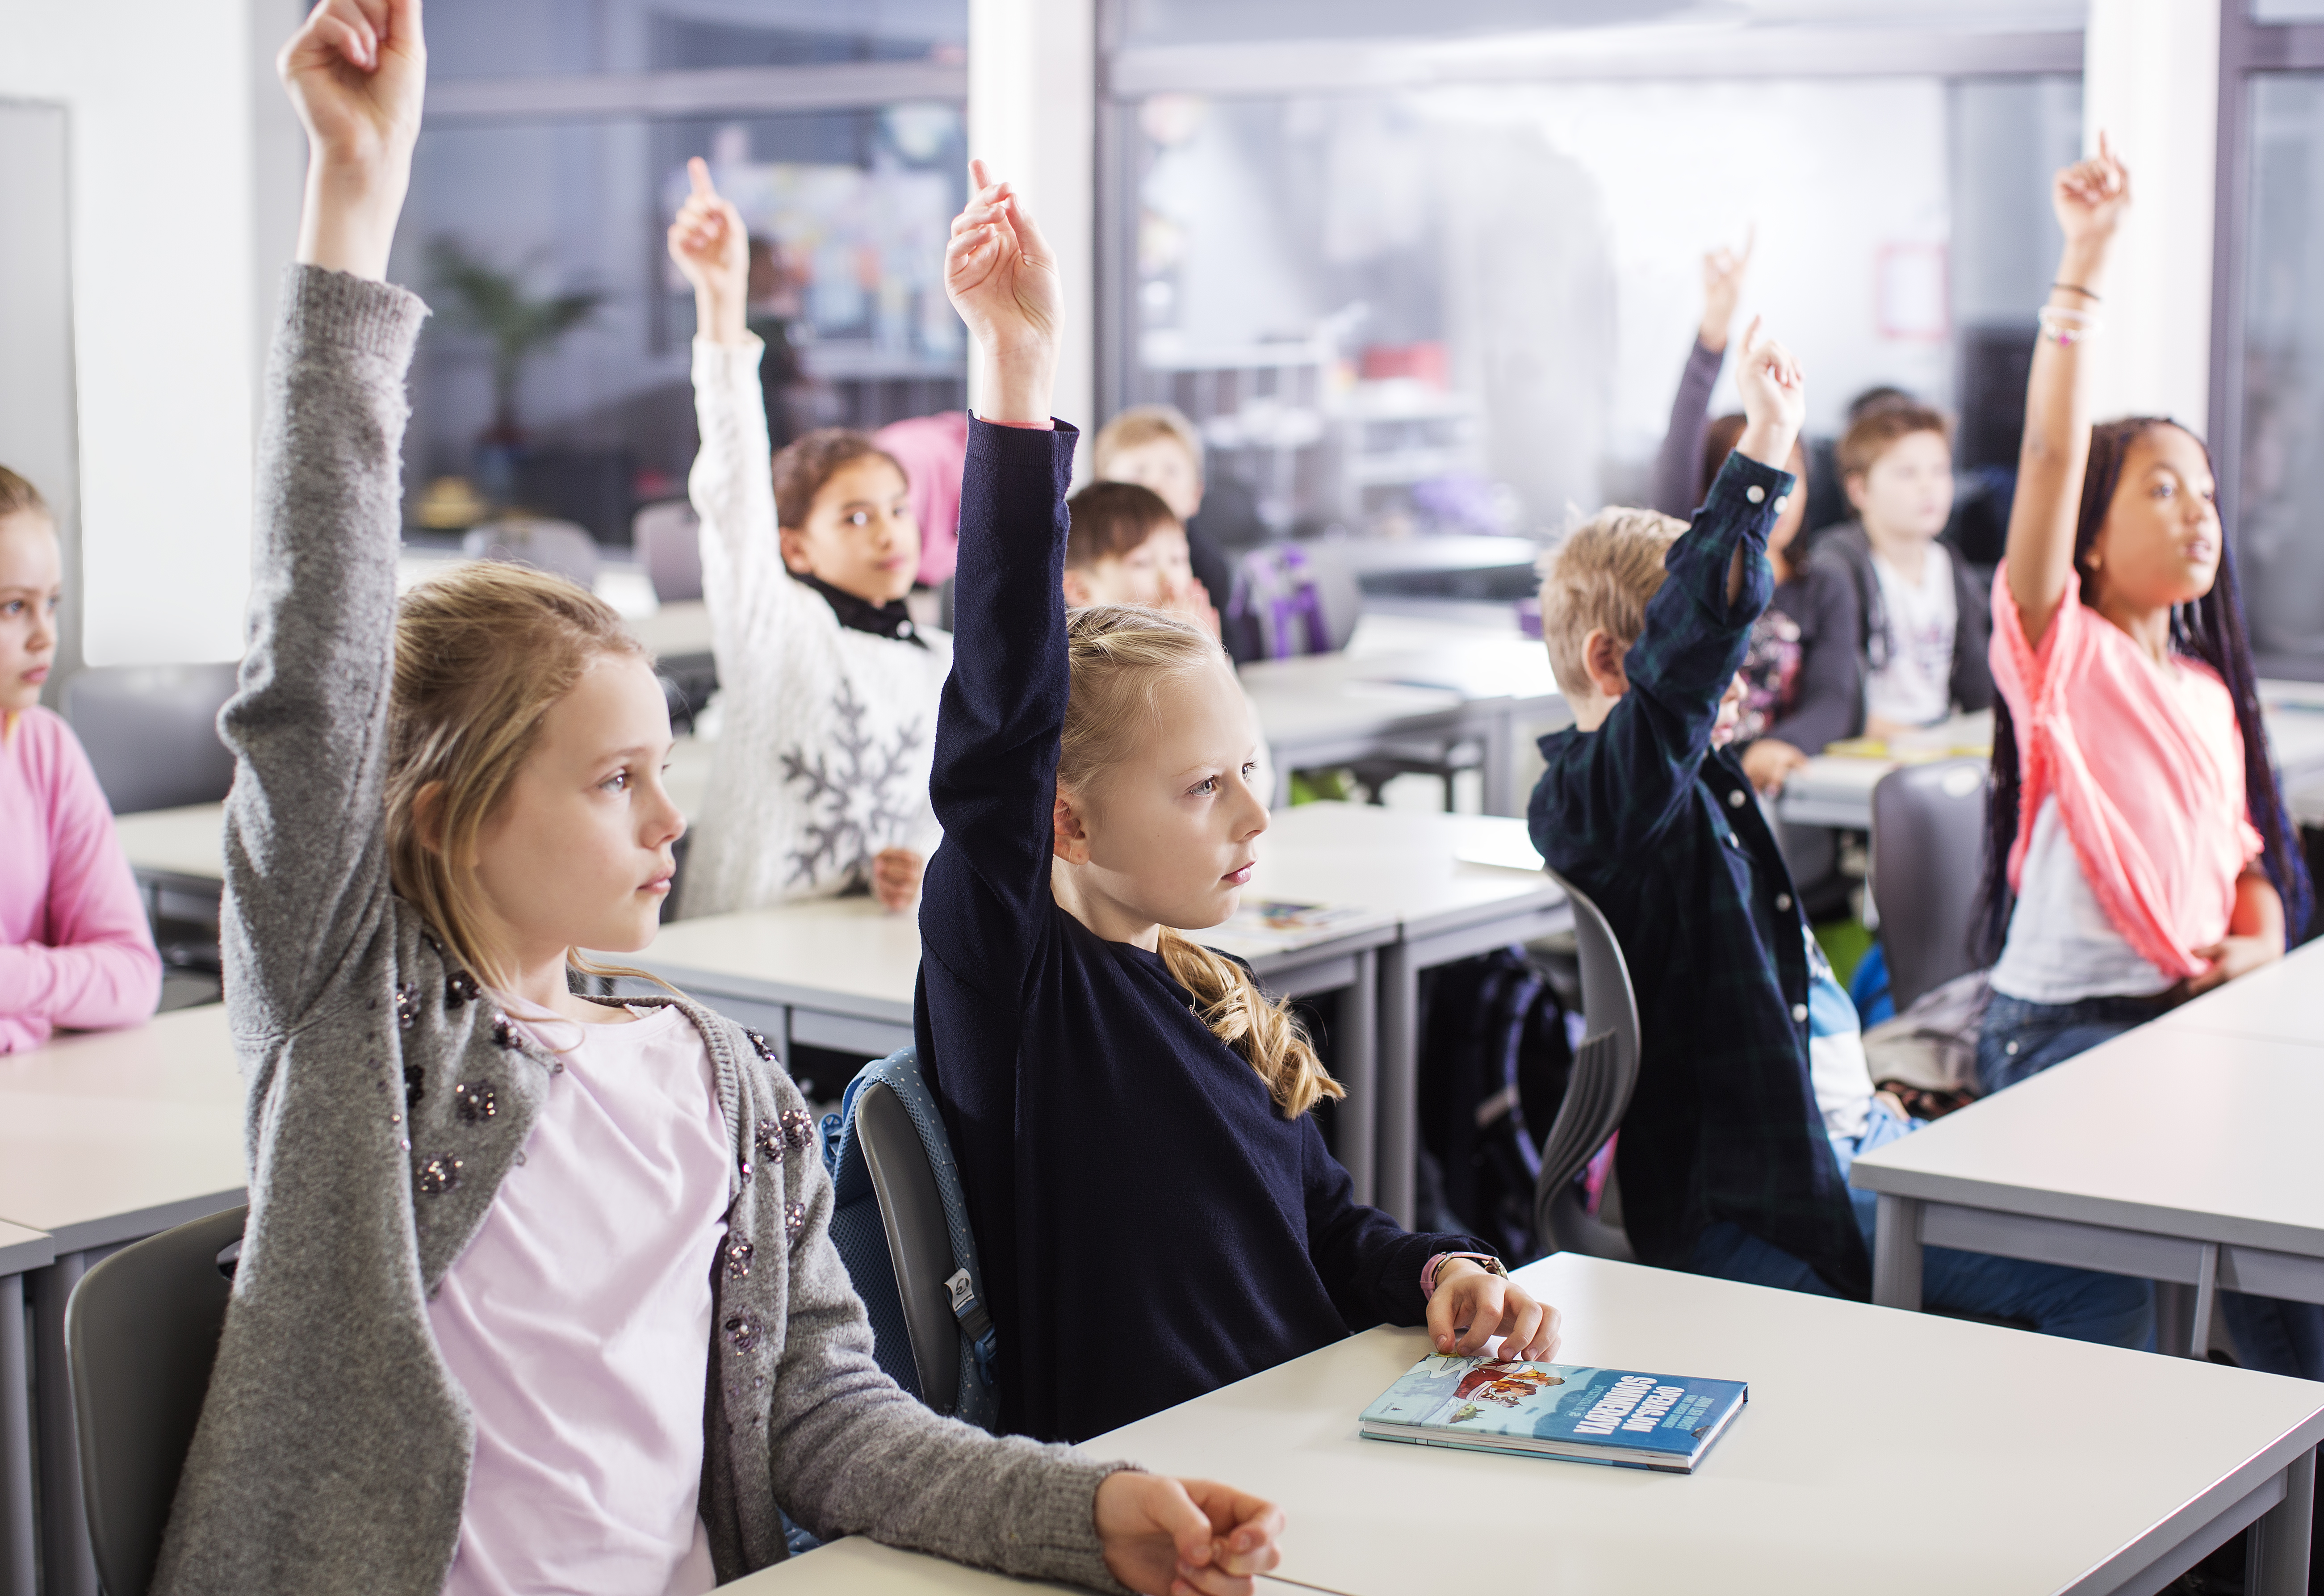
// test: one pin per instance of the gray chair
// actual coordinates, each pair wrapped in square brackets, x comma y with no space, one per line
[1597,1095]
[559,547]
[141,1333]
[151,733]
[666,539]
[1928,841]
[919,1248]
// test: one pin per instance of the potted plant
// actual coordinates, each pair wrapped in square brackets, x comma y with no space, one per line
[521,325]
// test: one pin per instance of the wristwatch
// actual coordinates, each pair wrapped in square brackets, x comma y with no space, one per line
[1483,1260]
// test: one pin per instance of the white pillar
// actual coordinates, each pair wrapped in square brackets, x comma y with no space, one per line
[1032,118]
[2150,80]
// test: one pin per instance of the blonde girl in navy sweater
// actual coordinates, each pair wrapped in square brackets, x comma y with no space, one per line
[1156,1210]
[537,1292]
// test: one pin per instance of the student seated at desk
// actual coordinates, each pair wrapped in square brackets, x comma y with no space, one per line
[819,779]
[1156,446]
[1156,1210]
[2139,850]
[1803,687]
[538,1291]
[75,946]
[1753,1093]
[1922,623]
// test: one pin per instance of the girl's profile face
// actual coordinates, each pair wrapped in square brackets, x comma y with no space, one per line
[2160,543]
[577,852]
[31,586]
[1171,833]
[860,535]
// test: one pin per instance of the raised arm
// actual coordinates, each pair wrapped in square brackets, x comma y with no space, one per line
[994,778]
[2090,198]
[1678,468]
[305,857]
[751,599]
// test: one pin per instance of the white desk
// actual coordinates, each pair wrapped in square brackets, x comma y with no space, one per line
[2053,1466]
[2170,1154]
[22,1251]
[106,1138]
[1836,789]
[2283,1003]
[1404,677]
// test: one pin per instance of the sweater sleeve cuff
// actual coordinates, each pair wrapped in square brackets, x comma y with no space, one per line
[1023,447]
[1744,485]
[1060,1534]
[379,319]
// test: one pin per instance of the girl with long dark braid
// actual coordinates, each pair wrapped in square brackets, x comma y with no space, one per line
[2138,849]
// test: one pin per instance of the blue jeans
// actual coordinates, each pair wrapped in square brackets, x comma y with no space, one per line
[2081,1304]
[2020,1039]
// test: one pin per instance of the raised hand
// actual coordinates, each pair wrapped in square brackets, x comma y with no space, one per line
[1184,1537]
[1003,278]
[356,72]
[2091,196]
[712,250]
[1774,400]
[1723,270]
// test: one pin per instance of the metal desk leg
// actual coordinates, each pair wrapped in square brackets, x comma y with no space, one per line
[70,1565]
[1357,1058]
[17,1561]
[2276,1548]
[1399,1084]
[1896,1253]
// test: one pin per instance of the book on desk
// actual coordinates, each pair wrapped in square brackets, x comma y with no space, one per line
[1593,1415]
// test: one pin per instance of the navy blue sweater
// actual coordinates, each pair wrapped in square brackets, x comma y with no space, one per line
[1151,1227]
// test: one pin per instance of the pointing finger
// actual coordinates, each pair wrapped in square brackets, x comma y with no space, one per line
[697,173]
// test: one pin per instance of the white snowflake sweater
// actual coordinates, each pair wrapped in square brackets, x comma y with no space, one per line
[829,731]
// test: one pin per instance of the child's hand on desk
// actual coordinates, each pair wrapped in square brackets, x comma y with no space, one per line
[1003,278]
[713,250]
[1184,1537]
[1774,400]
[1472,1306]
[2233,956]
[896,878]
[1769,762]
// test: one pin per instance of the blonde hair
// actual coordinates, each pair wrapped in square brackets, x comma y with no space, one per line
[1139,425]
[17,495]
[1600,578]
[1121,656]
[481,655]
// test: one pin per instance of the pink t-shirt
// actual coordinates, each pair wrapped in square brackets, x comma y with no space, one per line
[2147,770]
[579,1323]
[75,946]
[932,451]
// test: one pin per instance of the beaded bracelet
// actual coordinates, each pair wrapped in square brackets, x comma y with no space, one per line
[2066,328]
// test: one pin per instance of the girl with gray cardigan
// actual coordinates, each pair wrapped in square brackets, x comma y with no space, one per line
[536,1291]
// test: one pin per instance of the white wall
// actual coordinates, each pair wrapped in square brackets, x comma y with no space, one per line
[160,97]
[2150,81]
[1032,118]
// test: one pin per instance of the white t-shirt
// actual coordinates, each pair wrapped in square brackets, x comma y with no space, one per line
[578,1324]
[2061,948]
[1916,685]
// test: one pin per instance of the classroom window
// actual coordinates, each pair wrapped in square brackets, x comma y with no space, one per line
[1466,307]
[552,175]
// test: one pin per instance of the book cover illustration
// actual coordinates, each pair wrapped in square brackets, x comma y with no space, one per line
[1563,1407]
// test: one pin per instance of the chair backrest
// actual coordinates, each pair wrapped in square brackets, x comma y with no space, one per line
[141,1333]
[666,539]
[1294,598]
[150,732]
[557,546]
[1596,1093]
[901,1222]
[1928,839]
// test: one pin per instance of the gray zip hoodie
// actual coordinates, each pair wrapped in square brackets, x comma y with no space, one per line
[388,1097]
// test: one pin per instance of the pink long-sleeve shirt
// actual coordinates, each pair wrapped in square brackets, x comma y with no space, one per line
[74,947]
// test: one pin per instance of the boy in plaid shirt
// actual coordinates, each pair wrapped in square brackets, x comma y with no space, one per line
[1753,1094]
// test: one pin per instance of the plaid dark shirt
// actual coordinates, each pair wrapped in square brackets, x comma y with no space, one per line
[1663,833]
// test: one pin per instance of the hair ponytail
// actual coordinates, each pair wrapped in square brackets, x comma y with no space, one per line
[1121,656]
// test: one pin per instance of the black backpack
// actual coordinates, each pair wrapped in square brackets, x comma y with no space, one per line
[1494,1060]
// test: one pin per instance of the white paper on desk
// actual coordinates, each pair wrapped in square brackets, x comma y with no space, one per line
[1275,927]
[1505,847]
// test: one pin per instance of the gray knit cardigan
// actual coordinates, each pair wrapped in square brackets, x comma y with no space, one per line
[388,1098]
